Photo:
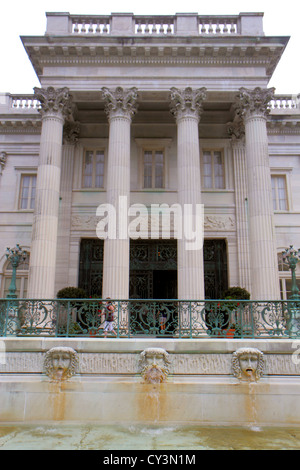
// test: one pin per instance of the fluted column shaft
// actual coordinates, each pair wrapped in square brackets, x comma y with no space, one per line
[241,195]
[44,231]
[120,106]
[70,138]
[262,243]
[186,106]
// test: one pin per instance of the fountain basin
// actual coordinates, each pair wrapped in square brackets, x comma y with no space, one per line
[108,387]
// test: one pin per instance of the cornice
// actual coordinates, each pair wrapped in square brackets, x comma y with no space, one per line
[233,51]
[20,126]
[284,127]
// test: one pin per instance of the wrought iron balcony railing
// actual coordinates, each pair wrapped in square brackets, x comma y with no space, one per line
[155,318]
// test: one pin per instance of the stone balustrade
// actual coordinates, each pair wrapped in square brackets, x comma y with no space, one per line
[90,24]
[24,102]
[249,24]
[11,103]
[285,102]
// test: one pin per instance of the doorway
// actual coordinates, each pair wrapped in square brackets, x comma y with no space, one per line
[215,268]
[153,275]
[153,269]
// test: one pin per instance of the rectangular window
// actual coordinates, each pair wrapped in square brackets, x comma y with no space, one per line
[27,192]
[279,193]
[93,169]
[213,170]
[153,169]
[286,288]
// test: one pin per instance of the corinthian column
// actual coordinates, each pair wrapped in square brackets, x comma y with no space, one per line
[55,105]
[252,105]
[186,105]
[120,107]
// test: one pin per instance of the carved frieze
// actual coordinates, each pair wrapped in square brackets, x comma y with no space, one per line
[84,222]
[219,222]
[134,363]
[211,223]
[108,363]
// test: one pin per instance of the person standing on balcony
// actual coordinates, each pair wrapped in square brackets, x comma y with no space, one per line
[109,318]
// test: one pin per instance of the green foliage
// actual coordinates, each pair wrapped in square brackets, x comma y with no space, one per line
[238,293]
[71,293]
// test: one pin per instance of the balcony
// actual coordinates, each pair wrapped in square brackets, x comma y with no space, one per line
[150,318]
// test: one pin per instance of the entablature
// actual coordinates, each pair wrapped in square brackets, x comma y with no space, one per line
[215,51]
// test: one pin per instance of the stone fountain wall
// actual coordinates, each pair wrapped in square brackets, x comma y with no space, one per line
[219,381]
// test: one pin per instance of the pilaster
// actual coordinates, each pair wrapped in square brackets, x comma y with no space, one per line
[70,138]
[236,131]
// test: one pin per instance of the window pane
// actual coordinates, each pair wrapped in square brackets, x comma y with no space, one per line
[88,170]
[99,169]
[282,203]
[288,284]
[7,285]
[282,266]
[207,170]
[218,170]
[279,193]
[159,169]
[33,188]
[147,169]
[27,193]
[273,179]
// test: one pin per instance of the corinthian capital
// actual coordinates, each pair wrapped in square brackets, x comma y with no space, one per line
[249,102]
[54,100]
[120,102]
[187,102]
[236,129]
[71,132]
[3,157]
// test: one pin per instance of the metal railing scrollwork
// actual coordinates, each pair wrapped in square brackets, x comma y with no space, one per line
[148,317]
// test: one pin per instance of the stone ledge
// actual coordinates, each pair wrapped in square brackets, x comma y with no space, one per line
[135,345]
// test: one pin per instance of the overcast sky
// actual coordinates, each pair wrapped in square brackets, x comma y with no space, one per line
[27,17]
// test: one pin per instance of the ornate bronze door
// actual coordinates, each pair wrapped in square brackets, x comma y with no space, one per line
[91,266]
[215,268]
[153,269]
[153,275]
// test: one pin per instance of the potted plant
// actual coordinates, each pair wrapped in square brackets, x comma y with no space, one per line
[233,295]
[69,293]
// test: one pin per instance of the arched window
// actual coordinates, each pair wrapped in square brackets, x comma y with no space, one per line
[21,279]
[285,277]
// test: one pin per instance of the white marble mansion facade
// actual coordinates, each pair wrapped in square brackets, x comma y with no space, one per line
[155,110]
